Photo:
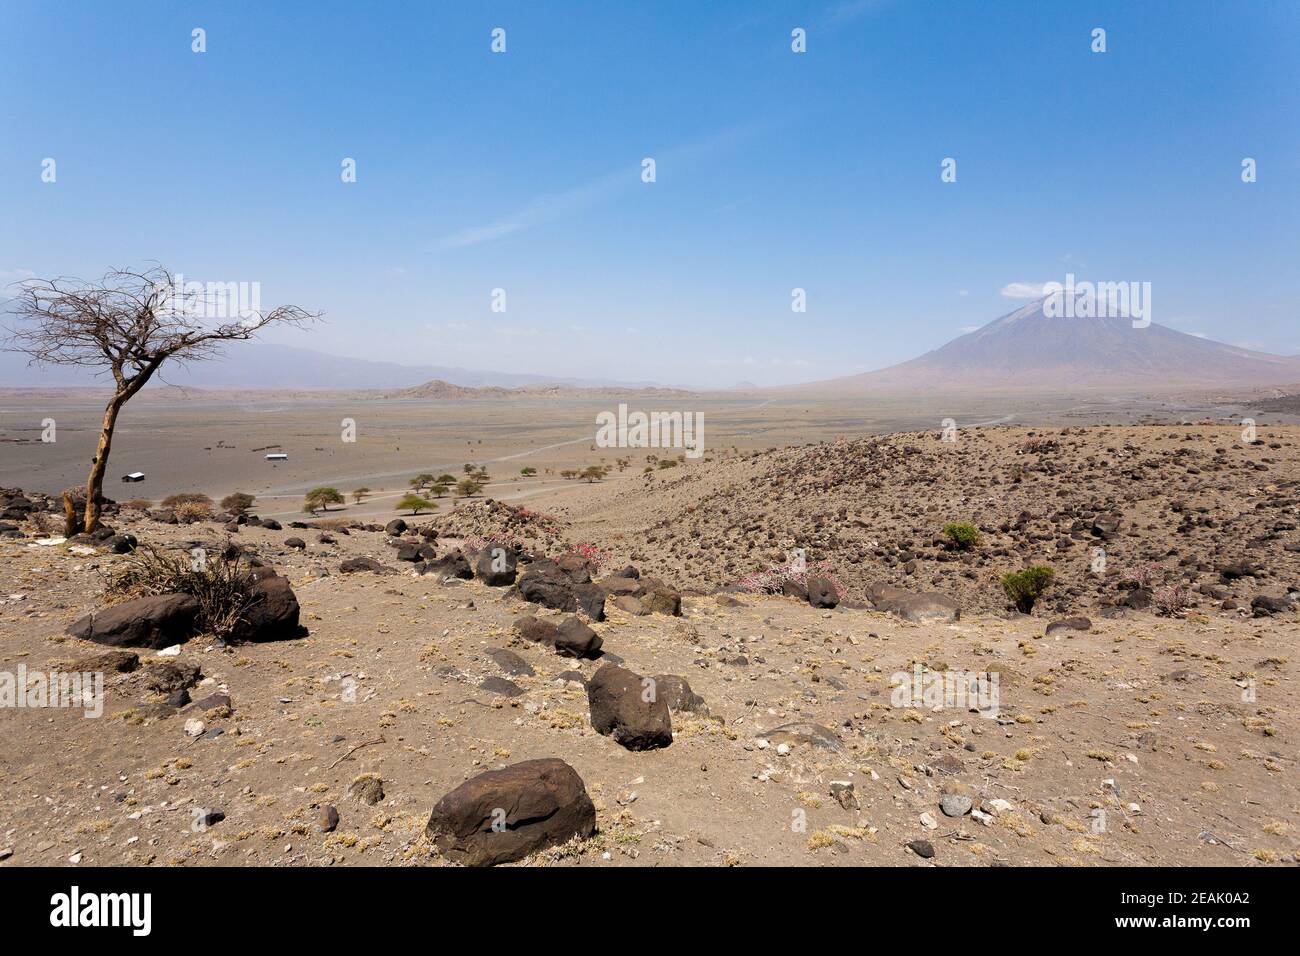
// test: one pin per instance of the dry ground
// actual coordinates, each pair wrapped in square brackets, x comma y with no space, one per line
[1143,718]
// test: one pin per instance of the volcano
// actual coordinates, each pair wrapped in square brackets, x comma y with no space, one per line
[1036,349]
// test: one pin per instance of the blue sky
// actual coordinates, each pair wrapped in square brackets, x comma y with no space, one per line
[775,170]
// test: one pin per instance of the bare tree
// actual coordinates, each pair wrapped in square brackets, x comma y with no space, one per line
[129,323]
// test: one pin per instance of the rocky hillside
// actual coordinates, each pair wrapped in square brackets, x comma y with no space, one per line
[1191,514]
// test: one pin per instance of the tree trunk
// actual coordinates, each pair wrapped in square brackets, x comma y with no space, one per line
[99,464]
[71,520]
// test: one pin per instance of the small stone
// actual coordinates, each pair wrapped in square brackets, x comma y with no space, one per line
[843,793]
[193,727]
[982,817]
[955,804]
[997,807]
[922,848]
[328,819]
[928,821]
[368,788]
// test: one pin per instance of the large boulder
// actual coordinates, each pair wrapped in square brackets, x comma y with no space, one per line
[575,639]
[453,565]
[822,593]
[273,614]
[591,600]
[157,621]
[629,708]
[545,584]
[120,543]
[620,584]
[534,629]
[661,599]
[496,567]
[362,563]
[575,566]
[504,815]
[1266,605]
[919,608]
[677,694]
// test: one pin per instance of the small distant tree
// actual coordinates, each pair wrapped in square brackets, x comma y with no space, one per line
[415,504]
[319,499]
[593,473]
[469,468]
[128,324]
[447,479]
[528,472]
[421,481]
[237,503]
[467,488]
[440,488]
[567,473]
[358,494]
[1024,588]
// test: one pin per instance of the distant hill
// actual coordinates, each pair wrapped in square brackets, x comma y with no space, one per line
[1028,350]
[262,365]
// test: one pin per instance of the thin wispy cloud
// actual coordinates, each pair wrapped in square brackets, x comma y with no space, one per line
[1024,290]
[549,207]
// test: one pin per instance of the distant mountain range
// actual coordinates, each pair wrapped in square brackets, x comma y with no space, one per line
[1030,350]
[1026,350]
[262,365]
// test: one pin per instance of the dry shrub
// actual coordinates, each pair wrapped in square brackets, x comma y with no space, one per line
[220,586]
[193,511]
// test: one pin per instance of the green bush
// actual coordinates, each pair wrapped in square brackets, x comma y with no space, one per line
[1027,586]
[415,503]
[237,503]
[320,499]
[963,534]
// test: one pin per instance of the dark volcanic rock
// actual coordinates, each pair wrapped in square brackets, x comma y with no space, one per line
[121,543]
[575,639]
[158,621]
[629,708]
[1265,605]
[453,565]
[504,815]
[677,694]
[821,593]
[499,685]
[545,584]
[352,565]
[273,615]
[510,662]
[496,567]
[1070,624]
[591,600]
[535,629]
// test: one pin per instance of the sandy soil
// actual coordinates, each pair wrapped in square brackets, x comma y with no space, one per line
[1145,740]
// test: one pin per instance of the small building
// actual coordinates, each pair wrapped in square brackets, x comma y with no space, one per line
[277,456]
[134,476]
